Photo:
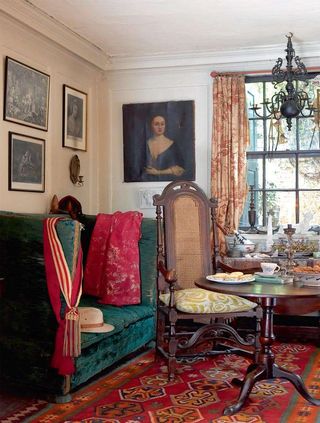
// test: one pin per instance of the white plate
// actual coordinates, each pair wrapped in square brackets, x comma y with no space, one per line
[312,283]
[212,278]
[264,275]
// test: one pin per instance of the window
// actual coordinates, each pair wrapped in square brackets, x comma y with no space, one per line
[283,167]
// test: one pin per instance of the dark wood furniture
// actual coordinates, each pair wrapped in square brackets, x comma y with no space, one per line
[265,367]
[292,319]
[186,251]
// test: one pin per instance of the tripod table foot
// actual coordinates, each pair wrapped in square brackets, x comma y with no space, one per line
[251,378]
[297,382]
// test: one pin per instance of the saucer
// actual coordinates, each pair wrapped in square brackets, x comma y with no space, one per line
[266,275]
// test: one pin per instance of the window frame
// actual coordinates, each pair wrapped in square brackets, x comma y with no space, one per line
[265,154]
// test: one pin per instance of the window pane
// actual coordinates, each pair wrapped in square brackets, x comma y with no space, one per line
[279,138]
[309,202]
[308,134]
[310,89]
[290,137]
[256,135]
[255,173]
[283,206]
[254,96]
[280,173]
[309,172]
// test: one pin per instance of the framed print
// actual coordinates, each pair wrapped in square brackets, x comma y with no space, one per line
[26,95]
[158,141]
[146,197]
[26,163]
[74,119]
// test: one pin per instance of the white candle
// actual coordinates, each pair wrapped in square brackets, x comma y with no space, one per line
[269,232]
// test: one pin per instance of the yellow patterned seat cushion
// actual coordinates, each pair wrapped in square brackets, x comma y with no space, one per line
[197,300]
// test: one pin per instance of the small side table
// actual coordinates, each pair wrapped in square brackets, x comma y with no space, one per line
[265,367]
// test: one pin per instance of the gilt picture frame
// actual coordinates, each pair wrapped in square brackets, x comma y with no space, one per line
[74,119]
[159,141]
[26,100]
[26,163]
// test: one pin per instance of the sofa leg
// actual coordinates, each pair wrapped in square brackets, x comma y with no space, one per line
[66,396]
[62,399]
[67,384]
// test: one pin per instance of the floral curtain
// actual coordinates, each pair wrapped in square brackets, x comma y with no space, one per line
[230,138]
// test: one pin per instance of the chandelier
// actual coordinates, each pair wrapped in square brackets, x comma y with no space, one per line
[291,100]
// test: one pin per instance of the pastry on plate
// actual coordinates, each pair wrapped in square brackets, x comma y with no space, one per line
[220,275]
[231,277]
[236,274]
[247,276]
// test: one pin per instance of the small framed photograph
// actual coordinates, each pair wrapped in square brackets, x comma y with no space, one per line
[26,163]
[26,95]
[146,197]
[159,141]
[74,119]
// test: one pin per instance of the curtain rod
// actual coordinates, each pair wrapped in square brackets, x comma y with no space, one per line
[257,72]
[215,73]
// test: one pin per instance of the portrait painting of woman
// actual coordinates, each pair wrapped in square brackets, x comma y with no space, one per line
[159,141]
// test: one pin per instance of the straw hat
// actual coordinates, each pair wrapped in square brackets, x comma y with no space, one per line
[91,320]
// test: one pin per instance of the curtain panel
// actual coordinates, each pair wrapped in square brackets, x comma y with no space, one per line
[230,139]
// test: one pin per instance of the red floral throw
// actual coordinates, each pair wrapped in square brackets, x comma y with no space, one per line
[112,271]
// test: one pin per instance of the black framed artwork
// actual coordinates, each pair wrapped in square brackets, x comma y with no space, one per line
[74,118]
[26,163]
[26,99]
[159,141]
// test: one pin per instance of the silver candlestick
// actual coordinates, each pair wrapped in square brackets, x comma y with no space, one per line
[289,231]
[252,214]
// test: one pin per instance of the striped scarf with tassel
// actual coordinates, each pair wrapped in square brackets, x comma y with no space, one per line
[70,288]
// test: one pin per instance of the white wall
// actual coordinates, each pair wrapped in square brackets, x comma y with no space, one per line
[148,86]
[186,82]
[32,49]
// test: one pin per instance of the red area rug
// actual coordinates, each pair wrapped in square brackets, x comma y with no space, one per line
[16,409]
[139,393]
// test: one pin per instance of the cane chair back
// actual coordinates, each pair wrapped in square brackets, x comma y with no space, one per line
[187,251]
[188,219]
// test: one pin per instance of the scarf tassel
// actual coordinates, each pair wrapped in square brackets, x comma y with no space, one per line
[72,343]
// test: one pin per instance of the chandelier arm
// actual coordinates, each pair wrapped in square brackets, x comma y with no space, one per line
[270,108]
[278,74]
[255,110]
[300,72]
[307,112]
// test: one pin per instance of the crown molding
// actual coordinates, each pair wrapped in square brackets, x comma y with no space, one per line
[260,57]
[27,14]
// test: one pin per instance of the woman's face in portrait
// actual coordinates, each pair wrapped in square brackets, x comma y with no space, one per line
[158,125]
[75,109]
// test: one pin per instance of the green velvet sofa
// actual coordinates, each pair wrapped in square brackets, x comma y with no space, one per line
[27,322]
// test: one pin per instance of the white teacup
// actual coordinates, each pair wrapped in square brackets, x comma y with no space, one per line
[269,268]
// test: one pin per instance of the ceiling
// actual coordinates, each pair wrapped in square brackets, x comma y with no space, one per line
[149,28]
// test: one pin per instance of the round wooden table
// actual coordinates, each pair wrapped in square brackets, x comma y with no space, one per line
[265,368]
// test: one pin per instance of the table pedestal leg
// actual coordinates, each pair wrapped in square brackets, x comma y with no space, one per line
[297,382]
[253,376]
[266,367]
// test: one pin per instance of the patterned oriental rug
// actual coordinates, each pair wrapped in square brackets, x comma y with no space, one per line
[139,393]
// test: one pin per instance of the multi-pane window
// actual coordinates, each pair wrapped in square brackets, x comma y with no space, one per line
[283,166]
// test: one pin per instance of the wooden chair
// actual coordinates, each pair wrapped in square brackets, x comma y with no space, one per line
[186,251]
